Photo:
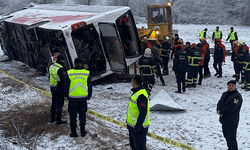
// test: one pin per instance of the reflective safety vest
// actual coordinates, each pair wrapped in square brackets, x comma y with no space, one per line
[246,66]
[133,111]
[232,35]
[78,83]
[53,76]
[202,34]
[217,34]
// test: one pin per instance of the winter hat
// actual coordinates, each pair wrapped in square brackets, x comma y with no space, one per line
[60,57]
[231,81]
[148,51]
[194,45]
[199,45]
[205,29]
[176,35]
[78,61]
[232,28]
[138,78]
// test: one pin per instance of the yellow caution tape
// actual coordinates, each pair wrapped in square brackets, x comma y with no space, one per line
[119,123]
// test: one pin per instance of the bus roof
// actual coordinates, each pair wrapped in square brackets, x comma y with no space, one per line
[62,16]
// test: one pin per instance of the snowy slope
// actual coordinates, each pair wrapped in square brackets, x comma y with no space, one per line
[198,126]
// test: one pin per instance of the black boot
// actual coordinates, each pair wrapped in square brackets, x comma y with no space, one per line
[53,119]
[83,131]
[73,133]
[60,122]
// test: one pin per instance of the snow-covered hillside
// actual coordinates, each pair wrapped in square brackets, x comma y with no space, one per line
[198,126]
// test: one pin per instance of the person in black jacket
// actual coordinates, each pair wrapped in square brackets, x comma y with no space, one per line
[146,66]
[180,65]
[246,68]
[228,108]
[219,57]
[139,123]
[56,87]
[77,90]
[165,52]
[239,63]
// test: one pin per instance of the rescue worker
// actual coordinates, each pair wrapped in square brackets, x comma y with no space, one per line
[180,65]
[241,53]
[234,54]
[146,66]
[200,48]
[246,67]
[206,49]
[165,52]
[232,35]
[203,34]
[157,69]
[77,90]
[138,118]
[176,38]
[219,57]
[56,79]
[228,108]
[180,41]
[54,57]
[217,34]
[194,59]
[146,44]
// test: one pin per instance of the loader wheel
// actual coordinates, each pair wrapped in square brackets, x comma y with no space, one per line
[155,51]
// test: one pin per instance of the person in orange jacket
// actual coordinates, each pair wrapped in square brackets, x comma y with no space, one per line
[202,52]
[219,57]
[206,49]
[180,41]
[234,54]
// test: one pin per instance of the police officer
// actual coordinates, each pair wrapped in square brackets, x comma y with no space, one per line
[217,34]
[146,66]
[246,67]
[239,63]
[180,65]
[77,90]
[228,108]
[165,52]
[203,34]
[56,80]
[232,35]
[194,59]
[138,114]
[219,57]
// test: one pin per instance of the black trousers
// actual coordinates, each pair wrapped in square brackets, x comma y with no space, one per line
[239,70]
[229,133]
[247,79]
[206,68]
[200,74]
[219,64]
[73,109]
[181,78]
[57,103]
[192,75]
[165,61]
[148,82]
[137,140]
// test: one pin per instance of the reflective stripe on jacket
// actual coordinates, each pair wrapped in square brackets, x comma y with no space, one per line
[202,34]
[133,111]
[232,35]
[78,83]
[217,34]
[53,76]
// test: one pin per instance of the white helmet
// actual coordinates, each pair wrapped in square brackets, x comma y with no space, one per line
[242,42]
[166,37]
[148,51]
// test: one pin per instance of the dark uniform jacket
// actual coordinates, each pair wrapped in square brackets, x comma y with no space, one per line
[194,57]
[67,85]
[166,49]
[229,105]
[142,104]
[220,52]
[180,62]
[240,55]
[146,61]
[247,60]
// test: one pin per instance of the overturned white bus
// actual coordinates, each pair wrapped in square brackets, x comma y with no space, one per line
[105,37]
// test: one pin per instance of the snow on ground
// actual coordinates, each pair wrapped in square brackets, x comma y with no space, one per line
[198,126]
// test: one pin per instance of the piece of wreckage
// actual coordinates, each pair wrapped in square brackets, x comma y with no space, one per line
[105,37]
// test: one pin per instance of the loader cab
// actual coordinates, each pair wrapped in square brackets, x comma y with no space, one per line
[160,15]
